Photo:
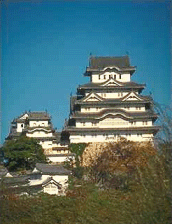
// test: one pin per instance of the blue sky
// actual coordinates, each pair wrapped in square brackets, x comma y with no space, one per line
[46,47]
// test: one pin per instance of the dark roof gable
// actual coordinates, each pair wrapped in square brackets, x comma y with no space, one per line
[103,62]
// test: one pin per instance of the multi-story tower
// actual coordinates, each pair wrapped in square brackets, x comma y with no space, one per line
[110,105]
[38,125]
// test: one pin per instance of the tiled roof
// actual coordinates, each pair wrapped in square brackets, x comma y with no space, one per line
[39,115]
[78,131]
[99,85]
[103,62]
[97,115]
[145,99]
[51,169]
[16,180]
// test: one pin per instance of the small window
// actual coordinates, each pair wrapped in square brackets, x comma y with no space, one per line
[145,122]
[104,76]
[99,76]
[21,125]
[120,76]
[114,76]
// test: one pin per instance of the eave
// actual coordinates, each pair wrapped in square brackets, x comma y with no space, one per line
[130,115]
[89,71]
[148,129]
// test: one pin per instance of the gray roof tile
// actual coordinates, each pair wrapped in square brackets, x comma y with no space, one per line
[51,169]
[102,62]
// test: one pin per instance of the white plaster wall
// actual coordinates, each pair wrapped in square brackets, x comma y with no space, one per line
[110,122]
[86,124]
[109,138]
[98,109]
[90,109]
[51,189]
[39,134]
[62,179]
[46,144]
[38,123]
[115,95]
[19,127]
[113,122]
[59,159]
[135,109]
[125,77]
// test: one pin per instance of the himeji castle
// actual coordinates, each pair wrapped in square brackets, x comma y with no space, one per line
[110,105]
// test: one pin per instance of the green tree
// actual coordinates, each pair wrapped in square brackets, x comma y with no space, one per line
[23,153]
[78,149]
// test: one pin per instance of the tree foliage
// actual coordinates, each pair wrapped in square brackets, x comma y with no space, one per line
[115,162]
[78,150]
[122,155]
[23,153]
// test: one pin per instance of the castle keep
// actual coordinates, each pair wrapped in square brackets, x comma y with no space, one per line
[110,105]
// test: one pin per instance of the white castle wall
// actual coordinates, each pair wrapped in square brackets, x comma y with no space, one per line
[20,127]
[62,179]
[59,159]
[113,122]
[126,108]
[98,78]
[116,95]
[38,123]
[36,134]
[108,138]
[46,144]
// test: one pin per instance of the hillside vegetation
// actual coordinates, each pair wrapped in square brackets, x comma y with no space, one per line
[136,191]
